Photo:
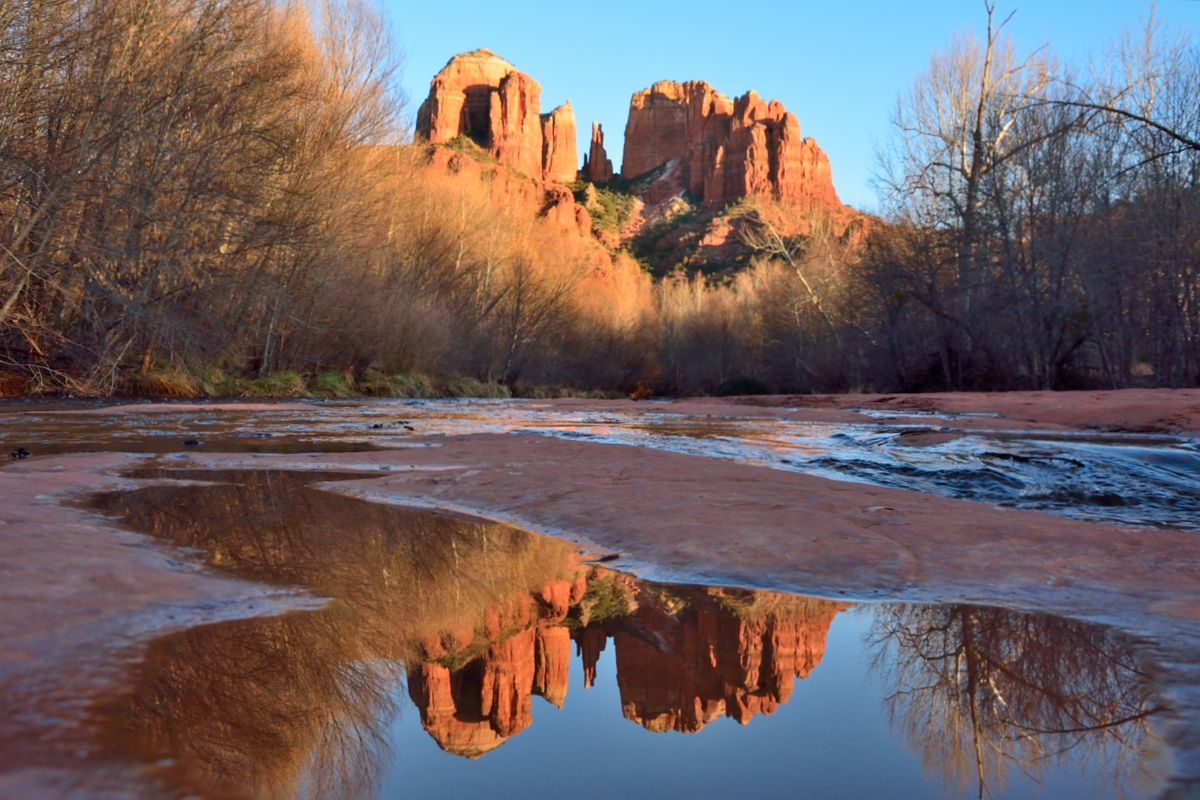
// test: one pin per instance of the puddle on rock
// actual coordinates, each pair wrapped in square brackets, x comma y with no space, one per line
[457,657]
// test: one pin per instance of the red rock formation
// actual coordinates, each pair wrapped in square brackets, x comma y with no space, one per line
[560,151]
[506,697]
[718,654]
[476,708]
[562,210]
[460,98]
[450,715]
[721,150]
[483,97]
[597,166]
[516,124]
[505,187]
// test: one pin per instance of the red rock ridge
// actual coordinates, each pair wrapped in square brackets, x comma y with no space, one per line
[724,655]
[721,150]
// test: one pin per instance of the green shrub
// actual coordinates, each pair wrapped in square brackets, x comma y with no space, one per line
[216,382]
[331,383]
[164,380]
[610,209]
[473,387]
[413,384]
[606,598]
[284,383]
[467,145]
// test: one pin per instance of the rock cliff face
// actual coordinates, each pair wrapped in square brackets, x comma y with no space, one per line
[483,97]
[560,153]
[720,150]
[597,167]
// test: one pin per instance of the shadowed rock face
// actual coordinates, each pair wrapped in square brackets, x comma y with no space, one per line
[720,150]
[483,97]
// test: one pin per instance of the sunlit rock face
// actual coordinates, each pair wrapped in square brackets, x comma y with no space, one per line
[721,150]
[598,168]
[481,96]
[682,662]
[476,708]
[560,152]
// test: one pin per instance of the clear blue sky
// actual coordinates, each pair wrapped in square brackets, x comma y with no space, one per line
[838,66]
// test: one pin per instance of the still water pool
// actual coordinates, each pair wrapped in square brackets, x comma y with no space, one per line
[458,658]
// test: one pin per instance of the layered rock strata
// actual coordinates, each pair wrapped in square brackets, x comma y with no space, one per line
[560,152]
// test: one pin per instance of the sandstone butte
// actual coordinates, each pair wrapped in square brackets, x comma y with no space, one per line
[481,96]
[679,137]
[721,150]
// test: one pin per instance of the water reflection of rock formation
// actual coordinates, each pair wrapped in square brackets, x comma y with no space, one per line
[724,654]
[979,691]
[685,656]
[262,707]
[481,618]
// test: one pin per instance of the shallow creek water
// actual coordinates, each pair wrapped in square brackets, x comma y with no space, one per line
[456,657]
[453,656]
[1128,479]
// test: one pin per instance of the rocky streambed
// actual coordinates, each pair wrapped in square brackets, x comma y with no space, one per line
[354,598]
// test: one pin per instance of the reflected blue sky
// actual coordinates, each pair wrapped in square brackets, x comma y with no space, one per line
[831,740]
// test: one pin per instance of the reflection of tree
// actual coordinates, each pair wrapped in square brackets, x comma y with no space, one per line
[259,708]
[300,704]
[478,618]
[978,690]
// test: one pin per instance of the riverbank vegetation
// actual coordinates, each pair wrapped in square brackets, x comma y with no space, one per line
[219,197]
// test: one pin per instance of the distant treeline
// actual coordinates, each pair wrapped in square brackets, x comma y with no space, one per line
[1041,229]
[198,194]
